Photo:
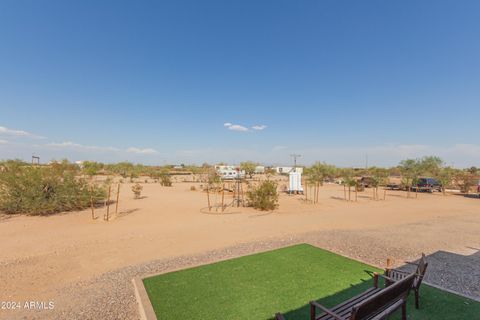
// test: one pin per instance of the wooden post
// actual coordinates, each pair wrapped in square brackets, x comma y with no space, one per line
[318,190]
[373,189]
[416,192]
[92,206]
[108,202]
[306,190]
[389,263]
[345,192]
[241,194]
[118,198]
[349,192]
[208,197]
[223,196]
[356,193]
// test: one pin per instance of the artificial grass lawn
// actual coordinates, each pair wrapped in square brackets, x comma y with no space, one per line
[285,280]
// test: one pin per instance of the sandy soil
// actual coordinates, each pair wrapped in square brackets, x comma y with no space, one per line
[40,256]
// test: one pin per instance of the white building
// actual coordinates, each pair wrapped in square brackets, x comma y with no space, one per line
[259,169]
[230,172]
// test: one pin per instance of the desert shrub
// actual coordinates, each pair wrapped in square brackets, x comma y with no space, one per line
[137,190]
[193,188]
[263,197]
[465,180]
[92,168]
[165,179]
[44,190]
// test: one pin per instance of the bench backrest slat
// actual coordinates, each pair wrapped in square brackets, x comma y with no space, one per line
[383,299]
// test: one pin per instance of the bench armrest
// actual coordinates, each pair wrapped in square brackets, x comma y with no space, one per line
[388,279]
[314,304]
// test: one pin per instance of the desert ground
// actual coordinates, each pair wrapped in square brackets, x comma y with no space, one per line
[84,266]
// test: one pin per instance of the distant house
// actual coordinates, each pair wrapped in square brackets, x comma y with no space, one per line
[229,172]
[259,169]
[79,164]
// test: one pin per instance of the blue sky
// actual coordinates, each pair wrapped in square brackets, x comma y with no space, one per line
[156,82]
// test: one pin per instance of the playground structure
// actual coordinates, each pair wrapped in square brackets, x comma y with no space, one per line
[217,199]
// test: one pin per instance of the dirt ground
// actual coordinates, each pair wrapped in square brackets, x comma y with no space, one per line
[40,256]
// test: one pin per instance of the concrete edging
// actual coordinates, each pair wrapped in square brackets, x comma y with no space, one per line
[145,308]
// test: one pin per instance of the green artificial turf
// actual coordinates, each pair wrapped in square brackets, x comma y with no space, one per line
[285,280]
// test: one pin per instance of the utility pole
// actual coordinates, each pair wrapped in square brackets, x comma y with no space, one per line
[295,156]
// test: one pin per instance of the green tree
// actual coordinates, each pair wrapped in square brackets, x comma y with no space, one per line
[430,166]
[410,170]
[249,167]
[445,176]
[317,174]
[349,181]
[379,177]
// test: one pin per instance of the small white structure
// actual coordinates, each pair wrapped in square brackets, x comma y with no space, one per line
[295,182]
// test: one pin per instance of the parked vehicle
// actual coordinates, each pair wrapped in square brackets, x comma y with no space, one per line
[428,185]
[367,182]
[395,186]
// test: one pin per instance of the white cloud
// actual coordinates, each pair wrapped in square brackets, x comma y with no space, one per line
[234,127]
[19,133]
[278,148]
[259,127]
[237,127]
[3,141]
[142,151]
[77,146]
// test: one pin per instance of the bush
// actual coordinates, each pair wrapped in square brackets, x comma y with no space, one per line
[137,190]
[264,197]
[43,190]
[165,179]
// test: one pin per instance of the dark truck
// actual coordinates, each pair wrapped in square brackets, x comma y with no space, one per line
[367,182]
[427,185]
